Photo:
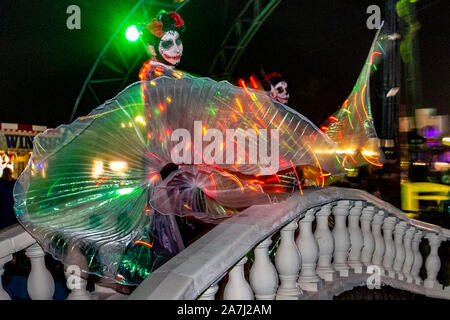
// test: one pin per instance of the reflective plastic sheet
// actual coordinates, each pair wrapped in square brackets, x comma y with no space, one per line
[96,191]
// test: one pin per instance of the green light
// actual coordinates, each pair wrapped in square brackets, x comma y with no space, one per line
[132,34]
[124,191]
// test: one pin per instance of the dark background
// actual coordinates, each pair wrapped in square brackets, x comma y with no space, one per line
[318,46]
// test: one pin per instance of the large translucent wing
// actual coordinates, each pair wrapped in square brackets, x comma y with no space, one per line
[199,121]
[229,141]
[352,127]
[84,193]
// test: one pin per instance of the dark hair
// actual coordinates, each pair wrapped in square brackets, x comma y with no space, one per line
[271,79]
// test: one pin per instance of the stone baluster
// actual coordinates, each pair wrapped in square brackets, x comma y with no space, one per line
[377,258]
[309,252]
[210,293]
[341,238]
[409,255]
[77,284]
[389,253]
[237,287]
[40,281]
[325,241]
[356,237]
[4,260]
[418,260]
[288,262]
[263,275]
[399,231]
[369,241]
[433,263]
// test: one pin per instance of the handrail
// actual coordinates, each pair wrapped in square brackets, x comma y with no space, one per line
[14,239]
[200,266]
[40,283]
[206,261]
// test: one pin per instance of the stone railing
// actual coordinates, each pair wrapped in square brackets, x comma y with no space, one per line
[369,240]
[40,283]
[371,243]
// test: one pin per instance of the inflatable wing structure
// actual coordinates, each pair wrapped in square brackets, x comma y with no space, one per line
[180,146]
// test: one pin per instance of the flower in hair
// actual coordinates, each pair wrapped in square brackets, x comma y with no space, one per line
[156,28]
[178,20]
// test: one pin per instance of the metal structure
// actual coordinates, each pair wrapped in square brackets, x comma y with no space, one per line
[239,35]
[116,62]
[390,86]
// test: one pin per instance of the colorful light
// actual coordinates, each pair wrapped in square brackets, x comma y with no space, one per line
[97,168]
[118,166]
[253,82]
[446,141]
[140,120]
[144,243]
[132,34]
[124,191]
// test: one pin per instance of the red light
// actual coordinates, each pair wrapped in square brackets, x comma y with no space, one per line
[144,70]
[158,71]
[242,84]
[333,118]
[253,82]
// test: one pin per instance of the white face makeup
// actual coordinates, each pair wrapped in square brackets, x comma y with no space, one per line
[171,47]
[279,92]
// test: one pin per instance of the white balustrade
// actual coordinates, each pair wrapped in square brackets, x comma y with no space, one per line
[433,263]
[418,260]
[325,241]
[210,293]
[400,255]
[288,262]
[369,241]
[356,237]
[341,238]
[309,252]
[40,281]
[4,260]
[383,240]
[377,258]
[263,275]
[389,254]
[237,287]
[409,255]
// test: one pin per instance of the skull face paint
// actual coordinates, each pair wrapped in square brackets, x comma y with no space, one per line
[170,47]
[279,92]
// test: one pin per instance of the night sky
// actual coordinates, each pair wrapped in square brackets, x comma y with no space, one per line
[318,46]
